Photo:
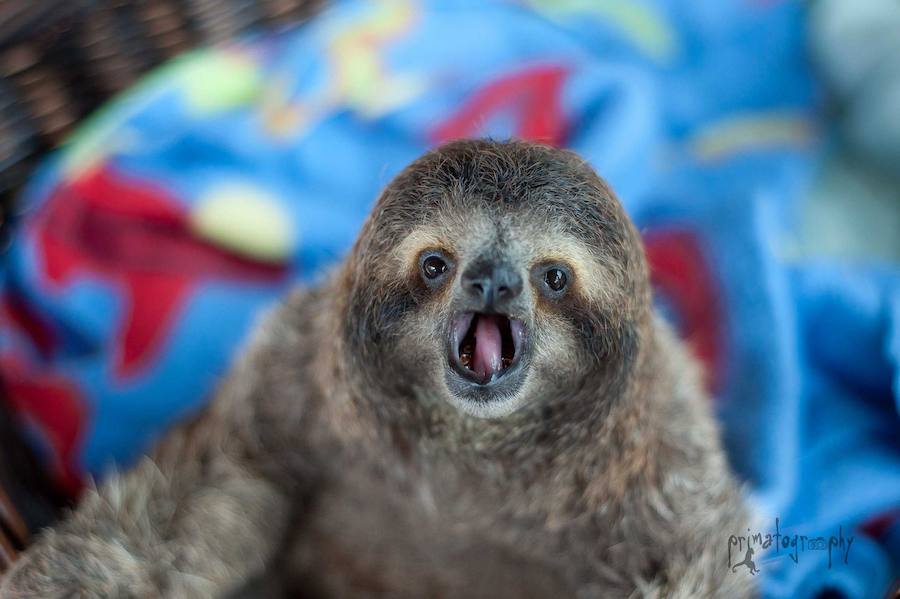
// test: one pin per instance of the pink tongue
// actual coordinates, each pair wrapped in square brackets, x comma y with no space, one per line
[486,359]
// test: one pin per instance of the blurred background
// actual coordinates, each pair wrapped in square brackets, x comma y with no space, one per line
[148,218]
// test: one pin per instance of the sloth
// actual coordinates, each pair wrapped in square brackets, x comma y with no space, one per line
[479,401]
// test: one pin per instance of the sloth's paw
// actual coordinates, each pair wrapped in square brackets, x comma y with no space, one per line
[65,566]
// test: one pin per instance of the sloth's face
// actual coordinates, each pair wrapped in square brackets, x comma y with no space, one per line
[495,312]
[498,276]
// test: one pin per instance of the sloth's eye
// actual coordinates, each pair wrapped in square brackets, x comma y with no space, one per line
[433,267]
[555,279]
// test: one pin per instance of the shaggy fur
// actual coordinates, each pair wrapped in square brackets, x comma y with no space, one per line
[338,460]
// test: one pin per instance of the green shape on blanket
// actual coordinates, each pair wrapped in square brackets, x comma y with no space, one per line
[213,81]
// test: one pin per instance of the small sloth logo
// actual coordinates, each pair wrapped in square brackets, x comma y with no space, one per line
[818,544]
[748,561]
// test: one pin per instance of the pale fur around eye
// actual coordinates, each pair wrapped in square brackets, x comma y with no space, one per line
[411,247]
[588,274]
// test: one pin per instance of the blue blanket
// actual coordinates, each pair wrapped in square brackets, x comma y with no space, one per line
[153,238]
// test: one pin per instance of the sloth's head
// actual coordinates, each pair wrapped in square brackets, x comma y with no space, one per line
[495,276]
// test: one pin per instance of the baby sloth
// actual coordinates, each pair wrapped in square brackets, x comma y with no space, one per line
[479,402]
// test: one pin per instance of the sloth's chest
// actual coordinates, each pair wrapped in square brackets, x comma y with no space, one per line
[389,529]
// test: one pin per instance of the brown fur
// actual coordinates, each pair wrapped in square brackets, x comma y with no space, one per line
[338,439]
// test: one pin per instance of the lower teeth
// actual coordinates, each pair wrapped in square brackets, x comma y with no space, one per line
[465,356]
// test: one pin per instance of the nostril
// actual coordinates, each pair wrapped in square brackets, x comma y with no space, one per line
[476,287]
[509,283]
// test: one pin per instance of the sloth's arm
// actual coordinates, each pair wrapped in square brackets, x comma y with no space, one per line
[191,521]
[194,519]
[691,504]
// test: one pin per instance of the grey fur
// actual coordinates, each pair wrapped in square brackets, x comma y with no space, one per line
[335,460]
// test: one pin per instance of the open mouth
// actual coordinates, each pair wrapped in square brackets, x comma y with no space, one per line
[484,347]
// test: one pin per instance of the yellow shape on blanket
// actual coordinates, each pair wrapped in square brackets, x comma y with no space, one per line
[247,221]
[742,133]
[360,76]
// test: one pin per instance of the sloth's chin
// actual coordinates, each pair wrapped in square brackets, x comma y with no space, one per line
[487,358]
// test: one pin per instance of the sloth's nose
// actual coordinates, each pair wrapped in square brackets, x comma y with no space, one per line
[491,285]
